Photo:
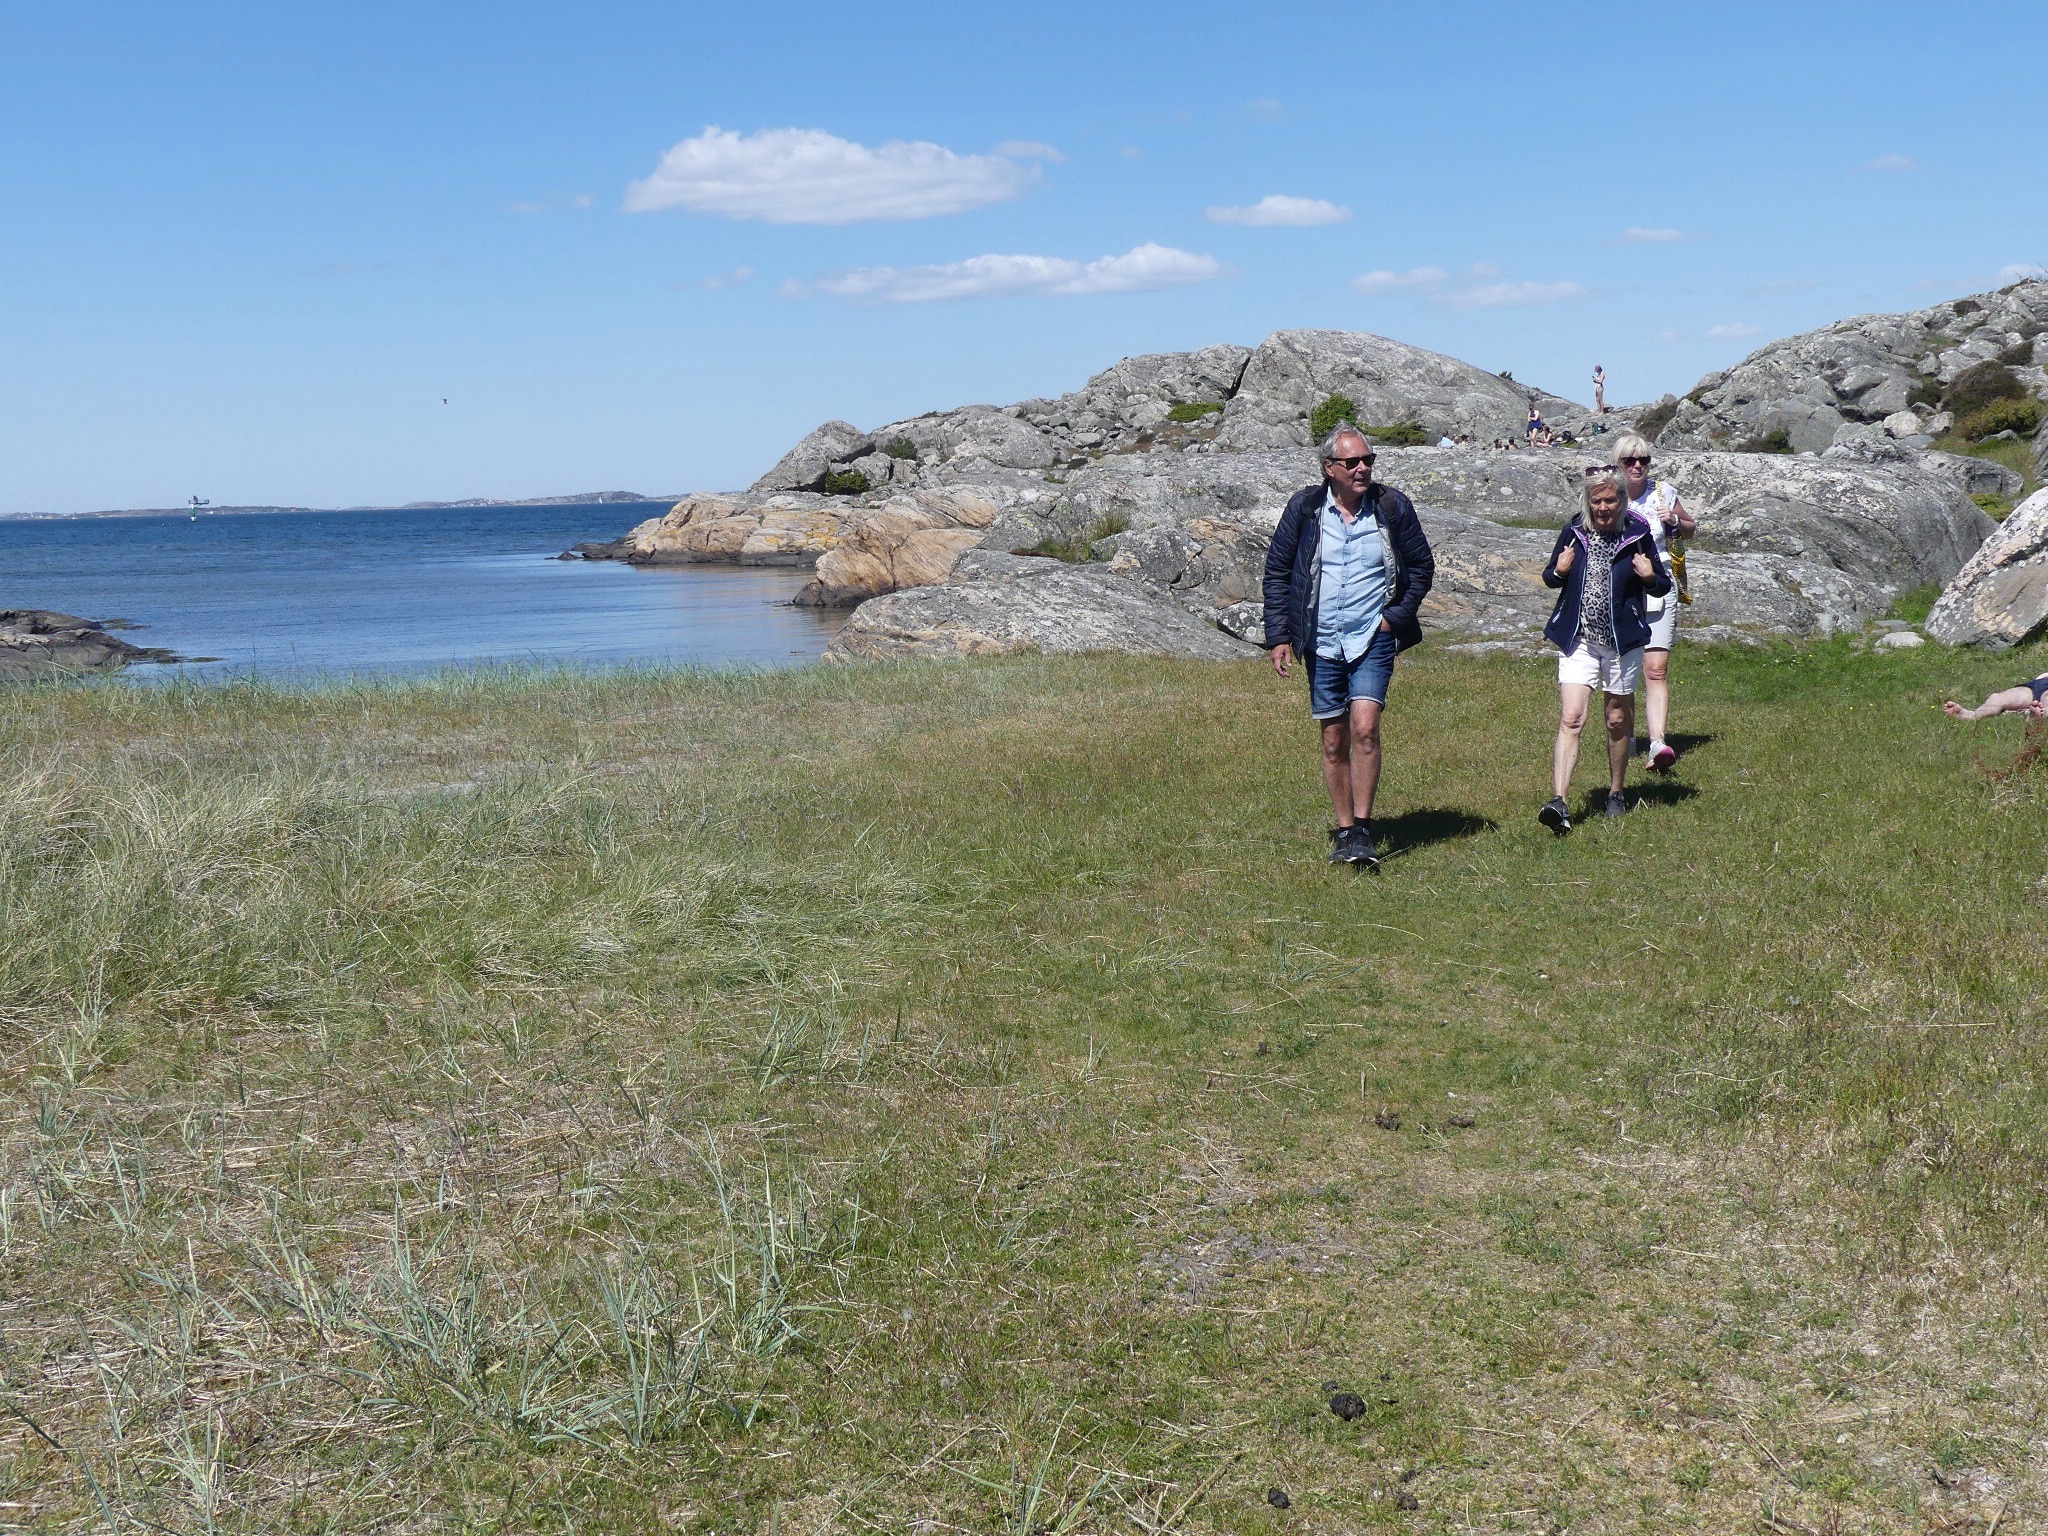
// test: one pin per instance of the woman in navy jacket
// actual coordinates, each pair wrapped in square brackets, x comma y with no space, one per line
[1605,564]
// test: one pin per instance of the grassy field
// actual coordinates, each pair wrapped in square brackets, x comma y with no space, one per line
[959,1097]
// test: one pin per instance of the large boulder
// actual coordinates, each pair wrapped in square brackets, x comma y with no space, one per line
[1818,386]
[806,465]
[1894,525]
[1293,372]
[905,541]
[36,643]
[1999,598]
[789,528]
[998,603]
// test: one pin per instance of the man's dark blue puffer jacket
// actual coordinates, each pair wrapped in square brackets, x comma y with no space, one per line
[1293,567]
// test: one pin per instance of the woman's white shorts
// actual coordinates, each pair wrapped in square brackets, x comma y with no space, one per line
[1601,669]
[1664,626]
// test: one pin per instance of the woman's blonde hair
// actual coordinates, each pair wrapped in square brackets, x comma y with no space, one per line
[1606,477]
[1631,445]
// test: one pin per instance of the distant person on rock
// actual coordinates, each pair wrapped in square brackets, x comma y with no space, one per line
[1535,421]
[1605,565]
[2029,698]
[1346,571]
[1599,390]
[1658,505]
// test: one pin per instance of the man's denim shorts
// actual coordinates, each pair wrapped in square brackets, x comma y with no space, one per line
[1334,682]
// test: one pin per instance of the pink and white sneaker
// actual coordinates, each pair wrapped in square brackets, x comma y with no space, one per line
[1661,756]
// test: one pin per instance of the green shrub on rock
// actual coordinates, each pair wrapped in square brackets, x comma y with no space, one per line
[1656,418]
[1927,392]
[1324,419]
[1402,434]
[900,448]
[1193,410]
[1980,384]
[1777,440]
[2021,416]
[844,482]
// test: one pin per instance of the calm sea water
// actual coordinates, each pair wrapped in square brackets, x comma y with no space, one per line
[313,595]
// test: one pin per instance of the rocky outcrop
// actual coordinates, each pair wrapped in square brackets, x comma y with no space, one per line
[788,528]
[997,603]
[1293,372]
[35,643]
[1999,598]
[1894,525]
[805,465]
[906,541]
[1818,387]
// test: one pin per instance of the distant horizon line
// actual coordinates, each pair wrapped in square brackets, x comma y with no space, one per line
[586,499]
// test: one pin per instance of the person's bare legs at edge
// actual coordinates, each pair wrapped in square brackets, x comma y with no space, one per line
[1657,691]
[1574,699]
[1351,762]
[2006,701]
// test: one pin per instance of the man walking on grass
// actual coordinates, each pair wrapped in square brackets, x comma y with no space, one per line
[1347,569]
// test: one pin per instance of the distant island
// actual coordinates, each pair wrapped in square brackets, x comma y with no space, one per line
[586,498]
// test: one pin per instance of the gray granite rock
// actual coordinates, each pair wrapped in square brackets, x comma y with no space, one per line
[1863,370]
[35,643]
[1976,477]
[998,603]
[1293,372]
[2000,598]
[805,465]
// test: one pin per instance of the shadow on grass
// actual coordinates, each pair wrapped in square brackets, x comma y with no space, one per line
[1412,831]
[1657,792]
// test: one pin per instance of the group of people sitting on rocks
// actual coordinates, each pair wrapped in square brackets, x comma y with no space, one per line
[1349,566]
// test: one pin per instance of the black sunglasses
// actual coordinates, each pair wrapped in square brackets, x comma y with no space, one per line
[1599,469]
[1354,461]
[1635,458]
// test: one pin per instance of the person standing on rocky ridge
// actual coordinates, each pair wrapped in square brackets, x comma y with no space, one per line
[1605,564]
[1599,390]
[1658,505]
[1345,575]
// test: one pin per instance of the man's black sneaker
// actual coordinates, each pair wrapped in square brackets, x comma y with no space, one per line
[1617,805]
[1363,853]
[1556,816]
[1340,845]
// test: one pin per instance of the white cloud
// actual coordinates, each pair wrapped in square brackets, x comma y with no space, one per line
[2019,272]
[551,203]
[723,280]
[1733,330]
[1670,336]
[1508,295]
[1383,281]
[1898,163]
[805,176]
[1136,271]
[1478,287]
[1029,149]
[1295,212]
[1264,109]
[1636,235]
[1132,152]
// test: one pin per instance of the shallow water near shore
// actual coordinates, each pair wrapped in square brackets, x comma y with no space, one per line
[315,596]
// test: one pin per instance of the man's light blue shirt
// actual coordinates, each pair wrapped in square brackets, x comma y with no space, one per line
[1354,585]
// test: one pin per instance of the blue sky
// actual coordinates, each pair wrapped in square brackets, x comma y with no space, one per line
[251,248]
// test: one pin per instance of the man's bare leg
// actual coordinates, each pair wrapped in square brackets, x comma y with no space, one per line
[2009,700]
[1365,757]
[1571,720]
[1621,736]
[1337,768]
[1657,691]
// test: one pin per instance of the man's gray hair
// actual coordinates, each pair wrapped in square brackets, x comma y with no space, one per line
[1327,449]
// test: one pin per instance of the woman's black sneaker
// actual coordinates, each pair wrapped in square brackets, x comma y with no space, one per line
[1363,851]
[1617,805]
[1556,815]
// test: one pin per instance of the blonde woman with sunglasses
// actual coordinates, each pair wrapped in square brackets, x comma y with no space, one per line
[1658,505]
